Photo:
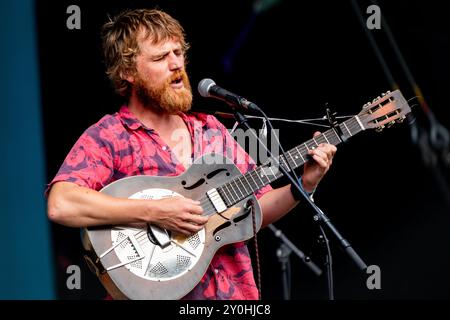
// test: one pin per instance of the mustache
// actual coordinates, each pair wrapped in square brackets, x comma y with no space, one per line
[179,74]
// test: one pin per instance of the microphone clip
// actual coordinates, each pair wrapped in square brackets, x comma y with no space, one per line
[331,117]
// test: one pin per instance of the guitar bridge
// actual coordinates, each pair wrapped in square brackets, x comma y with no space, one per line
[216,200]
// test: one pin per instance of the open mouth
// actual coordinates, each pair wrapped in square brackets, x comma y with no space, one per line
[177,80]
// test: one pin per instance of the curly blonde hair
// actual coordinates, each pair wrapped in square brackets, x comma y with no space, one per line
[120,41]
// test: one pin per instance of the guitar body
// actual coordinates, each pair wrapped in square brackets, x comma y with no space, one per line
[130,261]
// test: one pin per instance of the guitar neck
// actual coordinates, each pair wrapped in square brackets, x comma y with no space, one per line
[241,187]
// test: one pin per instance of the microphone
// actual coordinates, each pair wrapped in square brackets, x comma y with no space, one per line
[208,89]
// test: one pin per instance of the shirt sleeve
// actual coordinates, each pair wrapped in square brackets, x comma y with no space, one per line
[89,163]
[240,157]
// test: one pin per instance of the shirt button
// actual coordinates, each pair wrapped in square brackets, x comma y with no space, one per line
[216,271]
[164,148]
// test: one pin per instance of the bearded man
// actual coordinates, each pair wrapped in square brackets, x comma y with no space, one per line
[155,134]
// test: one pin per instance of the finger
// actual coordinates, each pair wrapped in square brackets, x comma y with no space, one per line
[199,220]
[316,133]
[327,149]
[189,228]
[320,161]
[184,232]
[320,152]
[195,209]
[330,149]
[194,202]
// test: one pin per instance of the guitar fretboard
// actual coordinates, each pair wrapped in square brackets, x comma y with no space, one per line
[242,186]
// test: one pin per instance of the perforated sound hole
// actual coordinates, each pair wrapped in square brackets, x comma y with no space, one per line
[124,244]
[182,262]
[120,236]
[159,269]
[194,241]
[136,264]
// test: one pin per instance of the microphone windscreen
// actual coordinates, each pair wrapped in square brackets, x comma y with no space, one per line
[203,87]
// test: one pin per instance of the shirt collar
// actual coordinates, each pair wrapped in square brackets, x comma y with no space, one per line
[191,117]
[130,120]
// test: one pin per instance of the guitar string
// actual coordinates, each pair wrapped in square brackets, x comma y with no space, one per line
[205,201]
[352,125]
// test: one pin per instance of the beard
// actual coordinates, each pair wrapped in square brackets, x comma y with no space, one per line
[163,98]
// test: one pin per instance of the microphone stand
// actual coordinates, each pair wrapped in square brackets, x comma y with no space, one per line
[319,216]
[283,253]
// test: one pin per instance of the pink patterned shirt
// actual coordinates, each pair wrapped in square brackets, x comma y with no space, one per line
[119,145]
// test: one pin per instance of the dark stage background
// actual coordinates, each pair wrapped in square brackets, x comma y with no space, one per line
[291,59]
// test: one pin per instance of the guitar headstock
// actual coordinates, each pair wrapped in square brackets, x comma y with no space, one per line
[384,111]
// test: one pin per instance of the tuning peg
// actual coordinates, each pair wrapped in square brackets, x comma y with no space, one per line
[376,99]
[380,128]
[401,119]
[390,124]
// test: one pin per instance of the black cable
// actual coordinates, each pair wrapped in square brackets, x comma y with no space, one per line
[279,144]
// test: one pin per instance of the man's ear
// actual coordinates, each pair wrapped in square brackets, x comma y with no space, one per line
[127,76]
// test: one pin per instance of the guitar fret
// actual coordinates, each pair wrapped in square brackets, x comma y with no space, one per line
[347,129]
[336,135]
[325,136]
[256,184]
[295,164]
[273,173]
[322,139]
[300,153]
[227,192]
[239,185]
[264,174]
[245,178]
[328,137]
[223,195]
[286,166]
[258,175]
[234,191]
[356,126]
[359,122]
[315,141]
[235,182]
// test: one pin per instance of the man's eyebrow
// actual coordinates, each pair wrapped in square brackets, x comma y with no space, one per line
[160,54]
[165,52]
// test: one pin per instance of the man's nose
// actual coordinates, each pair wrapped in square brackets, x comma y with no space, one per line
[175,62]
